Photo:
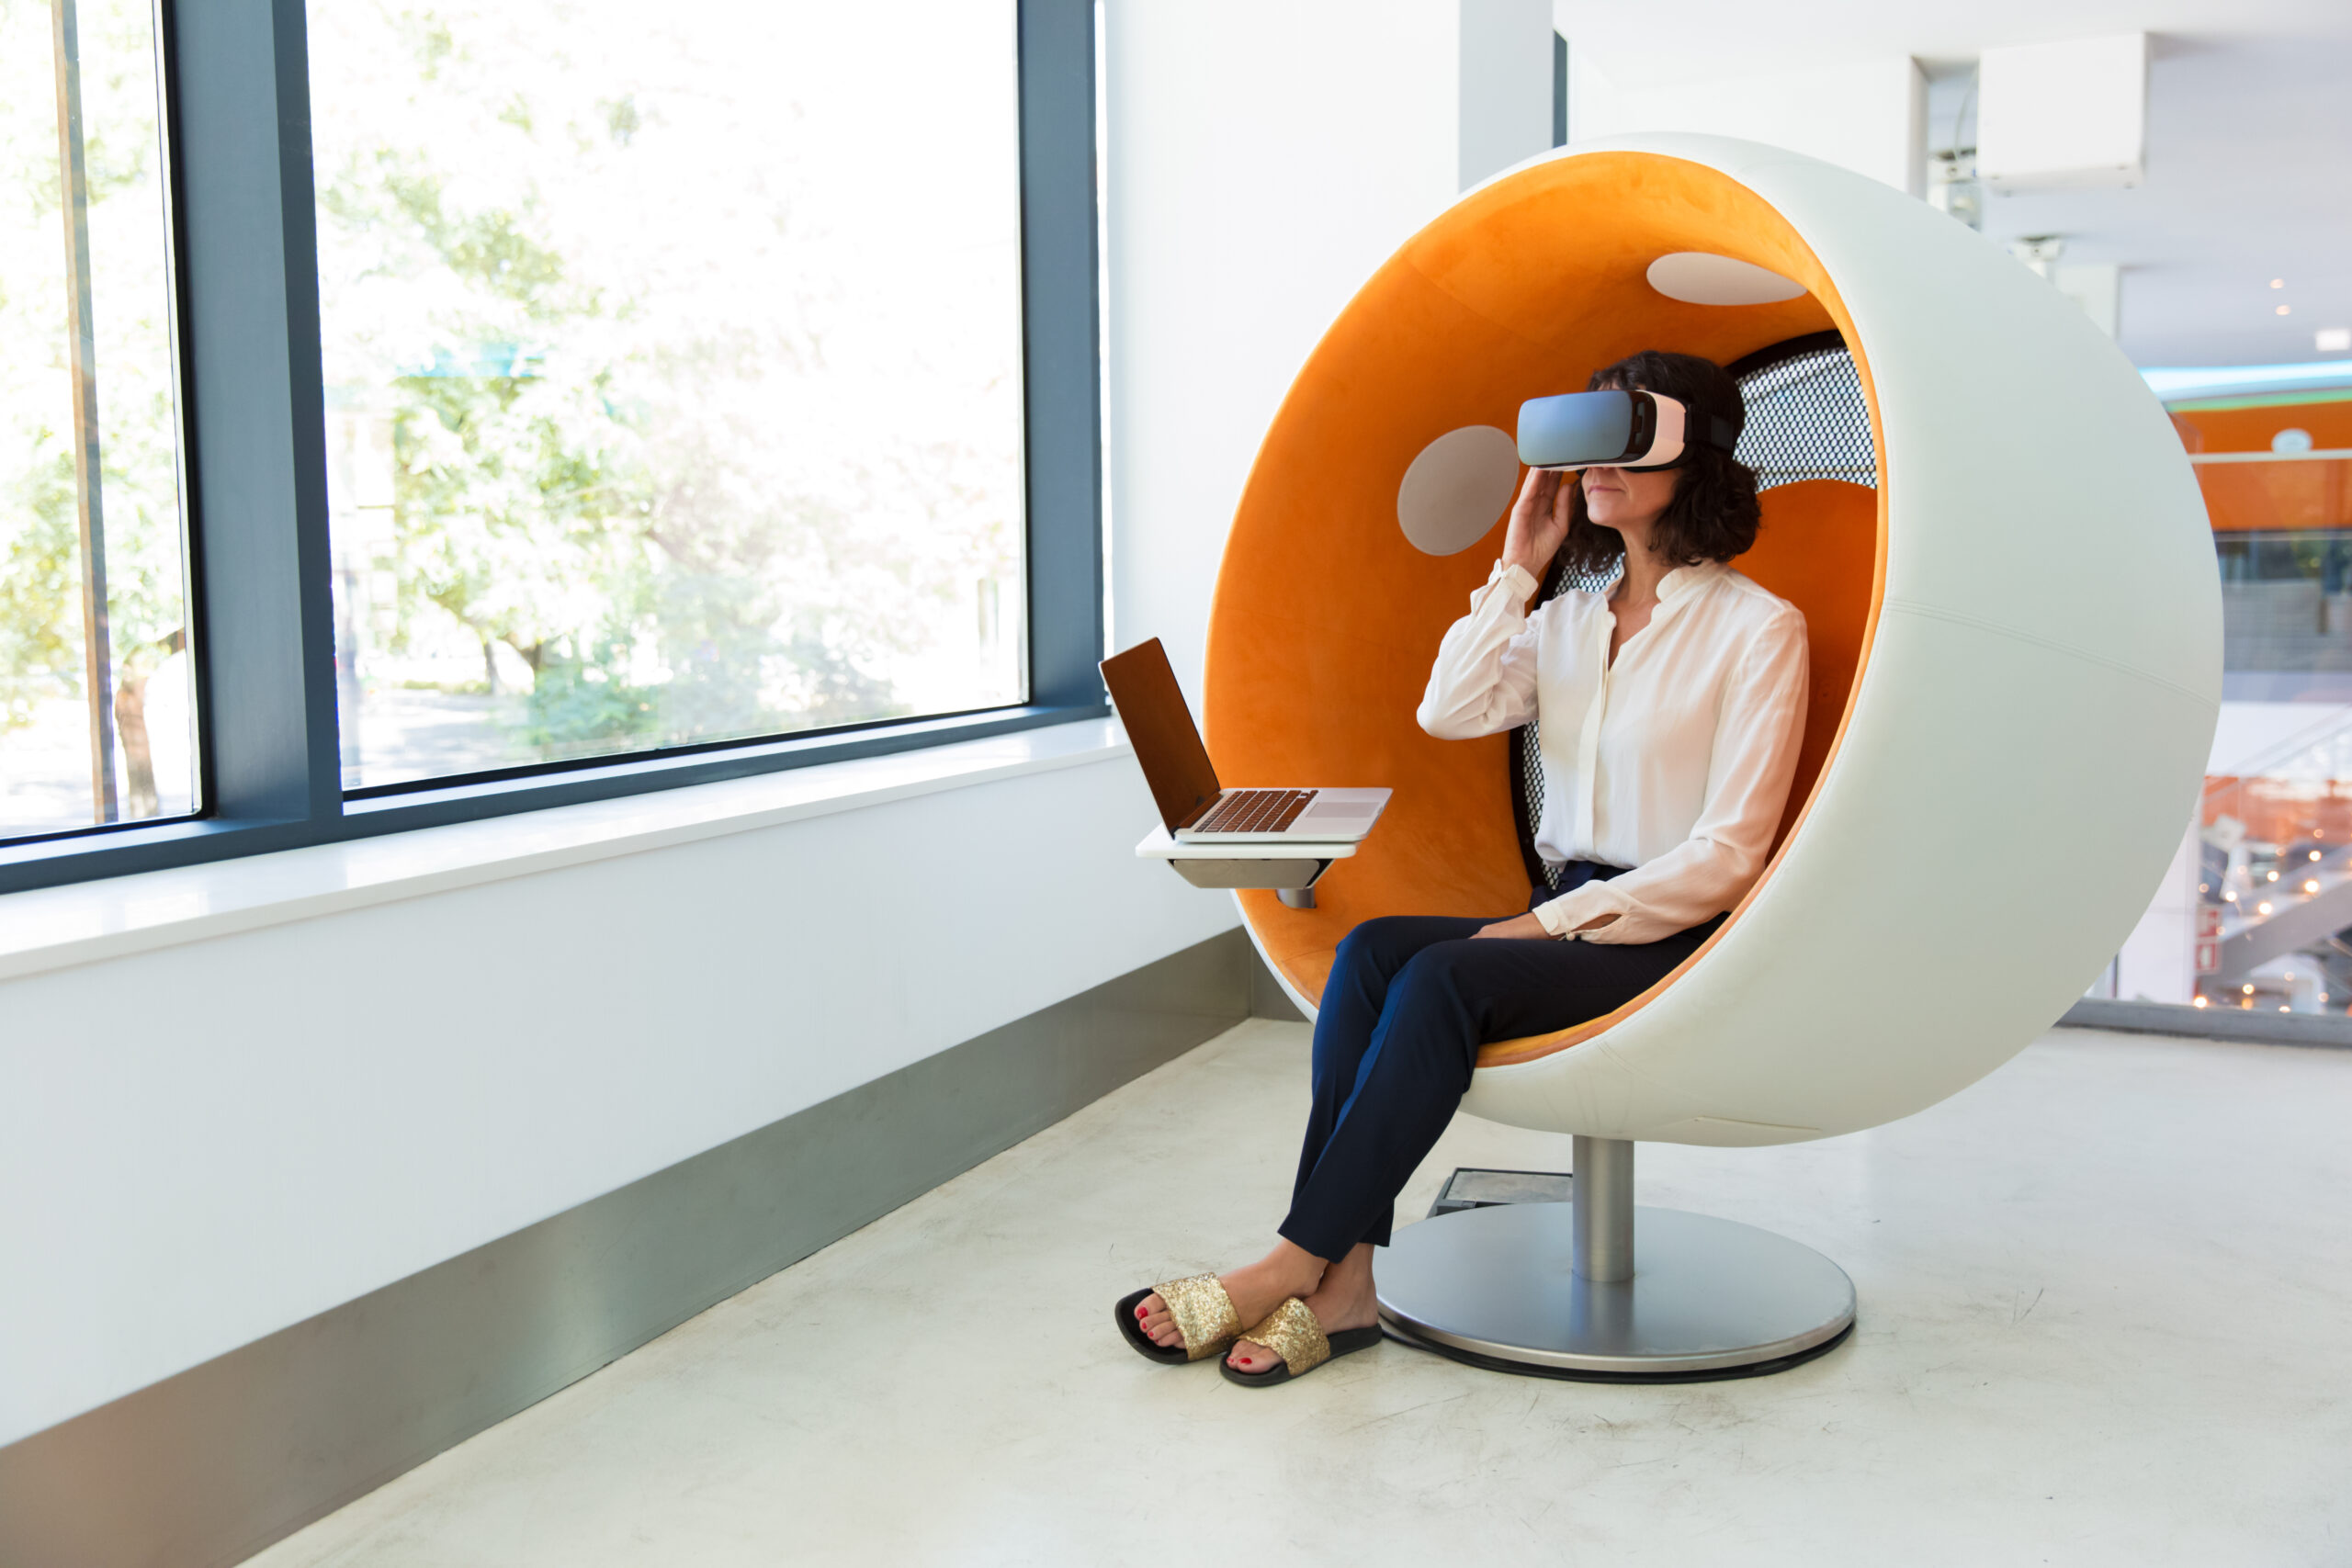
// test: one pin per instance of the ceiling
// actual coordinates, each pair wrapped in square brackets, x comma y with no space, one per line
[2250,168]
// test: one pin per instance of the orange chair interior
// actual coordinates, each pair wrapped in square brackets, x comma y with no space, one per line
[1326,617]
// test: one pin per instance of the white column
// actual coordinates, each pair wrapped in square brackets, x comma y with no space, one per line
[1505,84]
[2154,965]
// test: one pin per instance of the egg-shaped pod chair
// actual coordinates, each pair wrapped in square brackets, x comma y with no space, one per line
[2015,626]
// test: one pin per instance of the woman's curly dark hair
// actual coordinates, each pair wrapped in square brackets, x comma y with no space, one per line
[1713,514]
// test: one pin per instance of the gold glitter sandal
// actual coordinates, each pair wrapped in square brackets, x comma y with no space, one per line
[1291,1332]
[1203,1315]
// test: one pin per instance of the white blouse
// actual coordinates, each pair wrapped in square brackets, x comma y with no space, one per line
[1676,760]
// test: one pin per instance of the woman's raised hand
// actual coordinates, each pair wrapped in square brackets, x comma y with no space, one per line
[1539,520]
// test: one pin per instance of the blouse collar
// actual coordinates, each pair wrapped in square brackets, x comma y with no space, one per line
[1675,583]
[1683,579]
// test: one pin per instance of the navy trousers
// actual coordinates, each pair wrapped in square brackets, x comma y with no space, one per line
[1411,999]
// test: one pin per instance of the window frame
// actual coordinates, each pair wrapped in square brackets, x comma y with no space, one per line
[235,86]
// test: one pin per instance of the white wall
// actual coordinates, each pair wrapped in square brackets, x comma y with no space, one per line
[1870,115]
[1264,157]
[202,1145]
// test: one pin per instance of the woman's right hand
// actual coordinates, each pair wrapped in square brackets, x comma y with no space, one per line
[1539,520]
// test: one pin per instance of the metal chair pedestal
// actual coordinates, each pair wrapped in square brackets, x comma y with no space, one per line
[1557,1289]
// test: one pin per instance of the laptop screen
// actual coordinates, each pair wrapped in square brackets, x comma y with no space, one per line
[1159,727]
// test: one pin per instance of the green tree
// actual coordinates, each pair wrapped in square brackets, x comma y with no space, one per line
[531,505]
[572,274]
[41,653]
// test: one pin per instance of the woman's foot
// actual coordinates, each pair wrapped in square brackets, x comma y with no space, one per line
[1255,1289]
[1342,1299]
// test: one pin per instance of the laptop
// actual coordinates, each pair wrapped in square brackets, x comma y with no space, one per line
[1196,809]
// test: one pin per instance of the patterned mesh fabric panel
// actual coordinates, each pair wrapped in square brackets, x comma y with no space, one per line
[1806,419]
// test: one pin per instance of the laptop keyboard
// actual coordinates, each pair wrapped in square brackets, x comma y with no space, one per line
[1254,811]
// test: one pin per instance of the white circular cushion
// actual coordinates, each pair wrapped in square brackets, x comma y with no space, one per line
[1457,488]
[1697,277]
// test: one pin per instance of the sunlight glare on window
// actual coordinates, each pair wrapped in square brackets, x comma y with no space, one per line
[96,705]
[673,364]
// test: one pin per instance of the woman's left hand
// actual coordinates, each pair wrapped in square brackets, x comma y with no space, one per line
[1527,926]
[1524,927]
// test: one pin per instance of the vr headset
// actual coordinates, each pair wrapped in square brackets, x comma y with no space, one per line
[1614,429]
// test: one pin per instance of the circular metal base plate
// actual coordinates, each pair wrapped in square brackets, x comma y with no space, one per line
[1709,1298]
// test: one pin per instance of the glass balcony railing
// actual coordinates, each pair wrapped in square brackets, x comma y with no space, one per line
[2274,877]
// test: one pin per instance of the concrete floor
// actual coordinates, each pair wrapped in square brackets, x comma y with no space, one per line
[2105,1318]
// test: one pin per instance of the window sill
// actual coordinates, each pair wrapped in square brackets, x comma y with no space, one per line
[53,928]
[131,850]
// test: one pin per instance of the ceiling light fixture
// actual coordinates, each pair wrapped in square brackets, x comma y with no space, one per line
[2040,251]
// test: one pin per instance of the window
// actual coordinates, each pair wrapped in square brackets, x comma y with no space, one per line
[672,372]
[96,694]
[2287,612]
[564,400]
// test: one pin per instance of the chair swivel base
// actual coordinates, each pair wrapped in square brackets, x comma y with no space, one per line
[1709,1299]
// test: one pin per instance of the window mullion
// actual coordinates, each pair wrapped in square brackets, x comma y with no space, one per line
[248,269]
[1059,287]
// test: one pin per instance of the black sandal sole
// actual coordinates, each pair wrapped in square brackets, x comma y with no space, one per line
[1125,1316]
[1346,1342]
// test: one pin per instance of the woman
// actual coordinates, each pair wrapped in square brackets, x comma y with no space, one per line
[1671,705]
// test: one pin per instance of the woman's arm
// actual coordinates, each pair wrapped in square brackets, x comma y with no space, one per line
[1752,763]
[1484,679]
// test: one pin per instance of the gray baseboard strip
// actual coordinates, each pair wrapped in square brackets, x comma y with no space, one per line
[2323,1030]
[211,1466]
[1267,997]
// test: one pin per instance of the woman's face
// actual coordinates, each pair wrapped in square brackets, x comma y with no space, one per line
[1628,498]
